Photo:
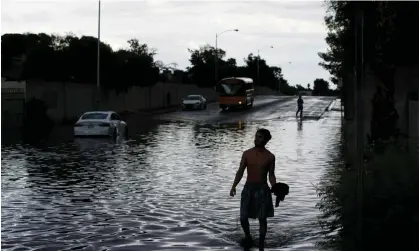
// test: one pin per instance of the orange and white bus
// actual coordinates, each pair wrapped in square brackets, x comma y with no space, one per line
[236,93]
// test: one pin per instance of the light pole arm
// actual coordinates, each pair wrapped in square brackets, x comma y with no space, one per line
[216,52]
[216,59]
[219,34]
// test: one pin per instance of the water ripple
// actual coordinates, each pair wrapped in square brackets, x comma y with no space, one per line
[167,189]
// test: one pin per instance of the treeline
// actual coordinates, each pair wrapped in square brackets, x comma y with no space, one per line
[321,87]
[390,42]
[72,58]
[390,212]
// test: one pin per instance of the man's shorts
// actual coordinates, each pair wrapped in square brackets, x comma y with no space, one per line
[256,201]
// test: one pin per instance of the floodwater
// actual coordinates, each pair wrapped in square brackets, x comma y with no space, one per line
[166,189]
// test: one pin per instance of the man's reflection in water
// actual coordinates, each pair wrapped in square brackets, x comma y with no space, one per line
[240,125]
[300,124]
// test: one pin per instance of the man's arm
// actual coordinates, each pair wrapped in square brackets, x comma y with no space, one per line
[240,172]
[272,177]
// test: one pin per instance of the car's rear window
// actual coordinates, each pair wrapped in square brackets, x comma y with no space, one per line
[94,116]
[192,98]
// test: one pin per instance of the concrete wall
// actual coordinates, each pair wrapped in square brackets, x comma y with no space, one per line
[69,100]
[12,103]
[406,80]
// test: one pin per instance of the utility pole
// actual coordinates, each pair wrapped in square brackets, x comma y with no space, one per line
[359,66]
[258,65]
[98,58]
[216,52]
[216,59]
[257,70]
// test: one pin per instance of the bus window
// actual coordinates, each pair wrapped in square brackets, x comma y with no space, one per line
[236,89]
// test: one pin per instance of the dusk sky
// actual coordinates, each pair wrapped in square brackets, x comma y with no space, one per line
[295,28]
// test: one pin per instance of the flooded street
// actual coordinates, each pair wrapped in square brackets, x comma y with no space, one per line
[168,188]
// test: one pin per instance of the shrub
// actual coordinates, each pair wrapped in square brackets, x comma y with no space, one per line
[390,208]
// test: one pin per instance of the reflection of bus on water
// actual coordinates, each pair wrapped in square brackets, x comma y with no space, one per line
[236,92]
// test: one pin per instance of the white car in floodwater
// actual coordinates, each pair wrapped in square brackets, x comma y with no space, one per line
[100,123]
[192,102]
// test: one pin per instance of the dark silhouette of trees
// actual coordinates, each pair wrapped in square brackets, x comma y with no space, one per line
[136,65]
[300,88]
[320,87]
[388,38]
[286,89]
[72,58]
[203,69]
[390,41]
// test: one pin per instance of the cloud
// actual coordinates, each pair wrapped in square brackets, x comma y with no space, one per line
[294,28]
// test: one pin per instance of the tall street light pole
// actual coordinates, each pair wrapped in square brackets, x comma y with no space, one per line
[98,51]
[216,51]
[258,78]
[279,82]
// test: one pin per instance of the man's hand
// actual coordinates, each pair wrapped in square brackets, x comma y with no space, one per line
[233,191]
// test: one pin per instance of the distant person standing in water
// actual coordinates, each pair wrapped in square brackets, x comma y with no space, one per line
[300,103]
[256,198]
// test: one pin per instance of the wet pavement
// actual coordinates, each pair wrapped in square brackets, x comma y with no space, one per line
[168,188]
[265,108]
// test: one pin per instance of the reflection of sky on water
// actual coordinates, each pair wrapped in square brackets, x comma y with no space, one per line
[169,185]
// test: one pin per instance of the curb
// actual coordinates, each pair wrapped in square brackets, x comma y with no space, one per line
[331,105]
[337,109]
[321,115]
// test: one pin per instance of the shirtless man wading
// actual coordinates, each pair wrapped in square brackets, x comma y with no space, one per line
[256,198]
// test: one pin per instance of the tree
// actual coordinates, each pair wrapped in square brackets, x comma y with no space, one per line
[269,76]
[300,88]
[286,89]
[388,44]
[320,87]
[202,70]
[72,58]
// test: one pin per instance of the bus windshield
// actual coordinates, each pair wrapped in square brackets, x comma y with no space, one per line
[238,89]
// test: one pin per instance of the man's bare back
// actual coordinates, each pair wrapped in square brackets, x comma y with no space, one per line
[258,162]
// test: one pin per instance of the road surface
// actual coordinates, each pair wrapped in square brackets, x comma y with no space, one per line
[265,108]
[167,188]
